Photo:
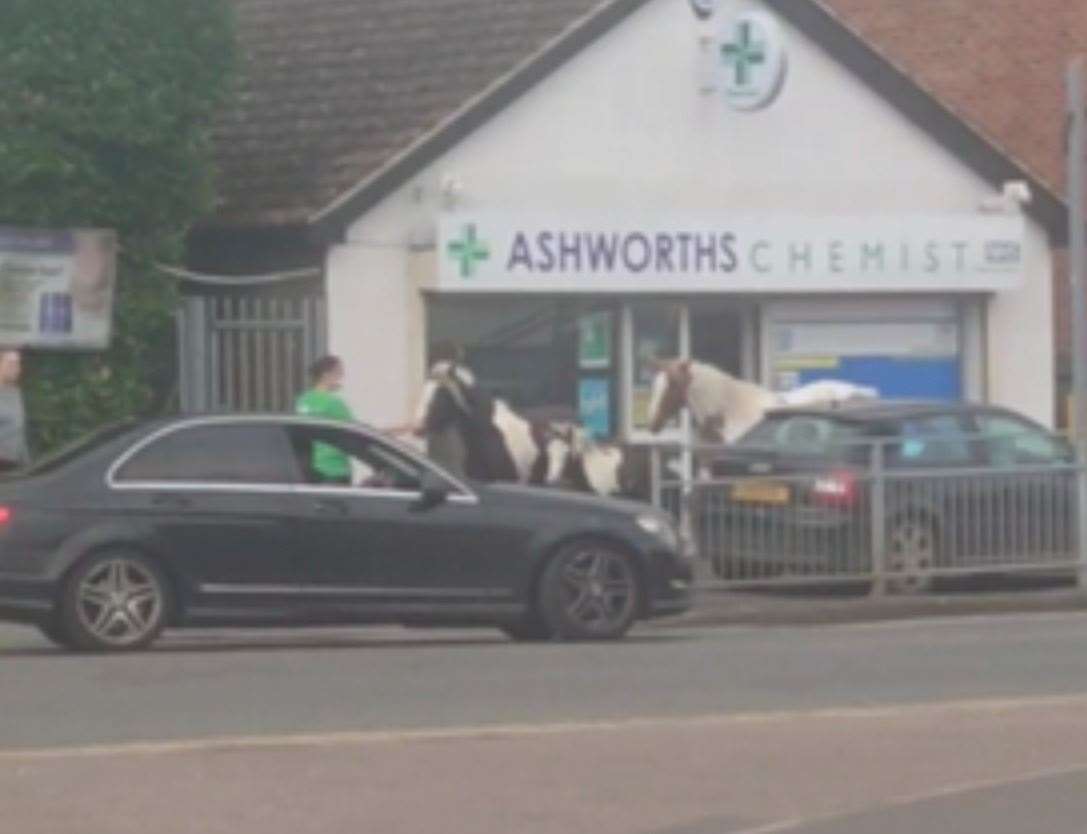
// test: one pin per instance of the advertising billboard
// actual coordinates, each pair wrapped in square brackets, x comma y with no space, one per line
[57,287]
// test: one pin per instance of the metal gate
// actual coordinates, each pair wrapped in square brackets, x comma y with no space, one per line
[244,352]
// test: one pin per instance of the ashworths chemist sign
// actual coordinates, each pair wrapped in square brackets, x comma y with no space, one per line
[56,287]
[610,252]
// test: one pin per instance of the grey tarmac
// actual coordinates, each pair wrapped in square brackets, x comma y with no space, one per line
[837,728]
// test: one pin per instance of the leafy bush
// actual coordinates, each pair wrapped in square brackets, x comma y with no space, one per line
[105,110]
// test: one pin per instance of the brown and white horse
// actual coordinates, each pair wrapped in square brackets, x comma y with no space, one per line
[722,407]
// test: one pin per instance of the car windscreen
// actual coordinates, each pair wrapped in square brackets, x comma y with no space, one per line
[83,445]
[808,435]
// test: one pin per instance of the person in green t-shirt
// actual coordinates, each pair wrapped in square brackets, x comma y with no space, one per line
[323,400]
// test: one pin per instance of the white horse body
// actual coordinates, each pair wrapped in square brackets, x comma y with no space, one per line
[600,463]
[716,398]
[519,441]
[738,403]
[602,467]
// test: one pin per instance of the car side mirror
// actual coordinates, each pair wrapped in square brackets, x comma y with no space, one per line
[433,491]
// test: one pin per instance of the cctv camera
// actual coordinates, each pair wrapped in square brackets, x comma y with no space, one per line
[450,186]
[1017,191]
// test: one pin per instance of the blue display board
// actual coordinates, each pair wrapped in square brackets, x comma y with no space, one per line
[896,377]
[594,405]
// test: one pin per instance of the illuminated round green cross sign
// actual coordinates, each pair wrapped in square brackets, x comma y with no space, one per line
[753,60]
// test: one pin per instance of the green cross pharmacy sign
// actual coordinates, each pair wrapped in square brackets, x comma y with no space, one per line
[753,60]
[468,251]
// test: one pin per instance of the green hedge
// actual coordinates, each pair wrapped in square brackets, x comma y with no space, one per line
[105,107]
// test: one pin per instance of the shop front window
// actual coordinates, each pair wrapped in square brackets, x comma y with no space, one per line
[656,333]
[552,357]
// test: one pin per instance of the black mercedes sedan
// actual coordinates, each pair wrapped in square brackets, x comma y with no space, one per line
[223,521]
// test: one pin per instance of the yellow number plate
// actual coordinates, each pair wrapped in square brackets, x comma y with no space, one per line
[761,493]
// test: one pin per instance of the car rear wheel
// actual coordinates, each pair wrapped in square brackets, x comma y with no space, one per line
[910,555]
[114,601]
[589,591]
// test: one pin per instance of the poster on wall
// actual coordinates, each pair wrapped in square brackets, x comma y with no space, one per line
[594,341]
[900,359]
[895,377]
[646,351]
[57,287]
[594,406]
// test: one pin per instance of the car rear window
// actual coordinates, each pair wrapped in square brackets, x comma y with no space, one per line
[809,435]
[79,447]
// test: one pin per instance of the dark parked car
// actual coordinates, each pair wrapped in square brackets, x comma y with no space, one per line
[965,488]
[194,522]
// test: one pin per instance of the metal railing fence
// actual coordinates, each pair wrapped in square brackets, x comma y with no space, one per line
[865,510]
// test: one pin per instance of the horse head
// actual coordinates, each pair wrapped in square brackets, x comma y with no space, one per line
[671,385]
[722,406]
[448,398]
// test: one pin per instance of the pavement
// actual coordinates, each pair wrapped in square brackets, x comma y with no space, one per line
[948,724]
[850,605]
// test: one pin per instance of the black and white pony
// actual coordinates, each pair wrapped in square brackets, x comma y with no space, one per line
[480,437]
[477,435]
[577,461]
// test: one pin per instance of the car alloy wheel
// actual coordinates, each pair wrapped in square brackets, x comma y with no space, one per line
[590,591]
[910,555]
[116,601]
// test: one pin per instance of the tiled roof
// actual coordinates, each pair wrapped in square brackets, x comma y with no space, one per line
[334,89]
[997,64]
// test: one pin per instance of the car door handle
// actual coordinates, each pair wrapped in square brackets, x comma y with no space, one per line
[170,501]
[330,506]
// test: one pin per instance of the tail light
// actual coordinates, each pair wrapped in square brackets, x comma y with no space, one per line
[838,489]
[5,515]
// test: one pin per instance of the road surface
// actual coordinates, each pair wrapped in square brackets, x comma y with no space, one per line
[878,727]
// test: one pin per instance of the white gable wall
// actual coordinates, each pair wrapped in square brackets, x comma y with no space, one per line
[624,124]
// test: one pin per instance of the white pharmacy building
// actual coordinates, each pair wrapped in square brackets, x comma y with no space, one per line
[746,184]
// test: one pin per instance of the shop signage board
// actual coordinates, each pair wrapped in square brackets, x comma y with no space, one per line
[56,287]
[655,253]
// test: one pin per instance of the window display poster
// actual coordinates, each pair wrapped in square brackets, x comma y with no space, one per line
[895,377]
[594,341]
[56,287]
[594,406]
